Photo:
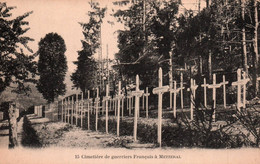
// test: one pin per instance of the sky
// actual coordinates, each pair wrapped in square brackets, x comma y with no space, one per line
[62,17]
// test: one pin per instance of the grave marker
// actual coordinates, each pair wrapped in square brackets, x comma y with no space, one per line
[107,98]
[81,110]
[174,91]
[97,107]
[118,98]
[205,85]
[160,90]
[224,83]
[181,89]
[137,93]
[240,82]
[89,100]
[192,89]
[147,94]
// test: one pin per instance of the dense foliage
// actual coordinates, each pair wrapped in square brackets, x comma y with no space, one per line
[16,66]
[85,75]
[52,66]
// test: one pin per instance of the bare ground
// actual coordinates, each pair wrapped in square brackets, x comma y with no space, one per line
[59,134]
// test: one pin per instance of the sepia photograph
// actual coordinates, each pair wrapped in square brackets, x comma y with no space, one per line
[129,81]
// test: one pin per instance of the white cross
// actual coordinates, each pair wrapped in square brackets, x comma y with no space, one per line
[214,86]
[118,97]
[192,89]
[244,88]
[160,90]
[89,100]
[81,110]
[239,83]
[205,85]
[72,112]
[147,94]
[224,83]
[76,109]
[181,89]
[129,96]
[106,99]
[137,93]
[97,106]
[175,90]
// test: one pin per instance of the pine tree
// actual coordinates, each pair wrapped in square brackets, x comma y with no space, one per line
[85,75]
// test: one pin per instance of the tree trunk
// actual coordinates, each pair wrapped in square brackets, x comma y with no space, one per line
[210,66]
[256,48]
[244,38]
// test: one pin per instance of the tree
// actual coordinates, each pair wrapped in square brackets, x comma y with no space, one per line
[85,75]
[52,66]
[16,67]
[146,41]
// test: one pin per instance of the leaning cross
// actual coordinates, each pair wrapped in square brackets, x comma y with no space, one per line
[118,97]
[137,93]
[160,90]
[106,99]
[174,91]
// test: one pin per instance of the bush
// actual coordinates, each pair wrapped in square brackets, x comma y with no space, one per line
[29,136]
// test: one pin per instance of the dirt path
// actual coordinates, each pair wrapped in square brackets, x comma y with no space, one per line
[59,134]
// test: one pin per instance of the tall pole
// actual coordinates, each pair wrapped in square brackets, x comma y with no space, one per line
[170,77]
[244,37]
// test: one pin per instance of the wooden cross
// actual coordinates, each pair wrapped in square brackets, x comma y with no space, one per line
[175,90]
[160,90]
[76,109]
[129,96]
[97,106]
[123,106]
[214,86]
[67,110]
[239,83]
[244,88]
[106,99]
[181,89]
[147,94]
[72,109]
[224,83]
[118,97]
[137,93]
[205,85]
[192,89]
[89,100]
[81,110]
